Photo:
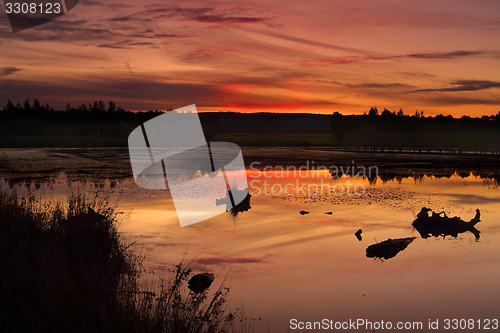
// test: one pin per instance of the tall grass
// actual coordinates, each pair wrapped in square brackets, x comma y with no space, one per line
[65,268]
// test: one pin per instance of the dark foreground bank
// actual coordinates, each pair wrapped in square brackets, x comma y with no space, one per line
[64,268]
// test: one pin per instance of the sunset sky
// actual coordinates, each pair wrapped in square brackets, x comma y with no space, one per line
[249,56]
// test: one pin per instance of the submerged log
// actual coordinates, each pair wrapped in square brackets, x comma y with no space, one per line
[235,208]
[243,206]
[389,248]
[438,224]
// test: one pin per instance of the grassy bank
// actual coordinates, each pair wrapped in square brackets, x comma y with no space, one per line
[65,268]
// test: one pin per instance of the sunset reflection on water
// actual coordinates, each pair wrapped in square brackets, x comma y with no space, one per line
[284,265]
[281,264]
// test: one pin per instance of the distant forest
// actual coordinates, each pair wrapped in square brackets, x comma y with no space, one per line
[100,124]
[94,125]
[394,131]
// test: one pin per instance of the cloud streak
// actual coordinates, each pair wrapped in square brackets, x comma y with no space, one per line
[345,60]
[465,85]
[6,71]
[205,15]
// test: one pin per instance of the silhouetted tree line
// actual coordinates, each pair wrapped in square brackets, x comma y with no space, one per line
[94,124]
[396,131]
[106,124]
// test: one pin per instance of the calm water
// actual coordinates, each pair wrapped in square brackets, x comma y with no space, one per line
[281,264]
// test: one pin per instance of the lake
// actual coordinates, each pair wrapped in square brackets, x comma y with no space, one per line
[293,254]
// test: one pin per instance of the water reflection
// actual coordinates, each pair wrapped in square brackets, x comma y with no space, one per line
[101,166]
[282,263]
[386,175]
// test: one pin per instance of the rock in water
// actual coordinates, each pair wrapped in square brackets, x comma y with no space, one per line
[358,235]
[201,282]
[303,212]
[389,248]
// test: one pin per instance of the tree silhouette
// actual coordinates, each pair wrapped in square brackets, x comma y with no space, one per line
[373,111]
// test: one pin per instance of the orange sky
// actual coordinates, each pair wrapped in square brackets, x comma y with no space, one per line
[284,56]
